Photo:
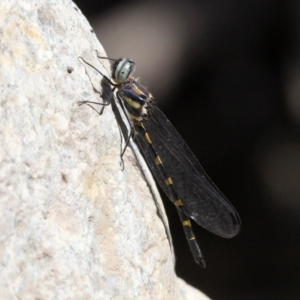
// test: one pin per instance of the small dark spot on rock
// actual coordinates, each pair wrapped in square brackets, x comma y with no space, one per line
[70,70]
[64,178]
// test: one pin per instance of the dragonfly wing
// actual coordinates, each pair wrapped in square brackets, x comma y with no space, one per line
[203,201]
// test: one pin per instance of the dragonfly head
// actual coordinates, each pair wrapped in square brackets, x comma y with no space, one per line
[122,69]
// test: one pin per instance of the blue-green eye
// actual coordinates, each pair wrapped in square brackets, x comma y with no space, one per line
[122,69]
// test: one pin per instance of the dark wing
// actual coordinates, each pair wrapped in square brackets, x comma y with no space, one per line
[203,201]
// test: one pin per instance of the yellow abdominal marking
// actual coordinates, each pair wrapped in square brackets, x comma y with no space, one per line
[158,160]
[147,137]
[187,223]
[178,202]
[169,181]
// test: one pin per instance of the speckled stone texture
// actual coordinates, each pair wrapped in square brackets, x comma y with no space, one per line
[73,223]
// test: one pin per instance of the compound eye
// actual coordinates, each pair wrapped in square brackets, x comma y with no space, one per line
[124,67]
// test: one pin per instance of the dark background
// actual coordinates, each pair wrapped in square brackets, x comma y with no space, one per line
[227,75]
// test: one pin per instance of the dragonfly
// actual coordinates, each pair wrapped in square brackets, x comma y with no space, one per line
[173,164]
